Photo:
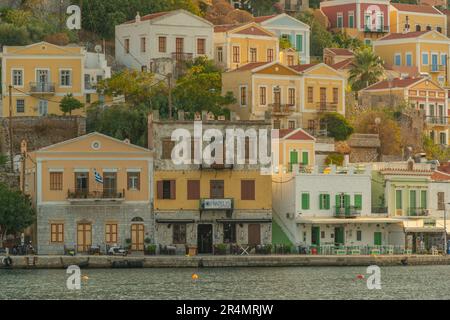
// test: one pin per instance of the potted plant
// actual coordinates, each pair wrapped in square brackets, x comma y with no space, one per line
[151,249]
[128,242]
[147,240]
[221,249]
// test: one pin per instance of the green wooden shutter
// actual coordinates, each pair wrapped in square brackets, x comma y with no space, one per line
[358,201]
[305,158]
[377,238]
[299,43]
[327,202]
[398,199]
[347,204]
[305,201]
[423,199]
[412,198]
[321,201]
[294,157]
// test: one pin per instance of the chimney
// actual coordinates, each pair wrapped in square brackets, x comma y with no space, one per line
[138,17]
[150,142]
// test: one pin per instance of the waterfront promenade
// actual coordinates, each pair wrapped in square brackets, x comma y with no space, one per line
[58,262]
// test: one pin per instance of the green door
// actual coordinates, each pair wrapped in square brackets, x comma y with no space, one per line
[339,236]
[377,238]
[315,236]
[293,159]
[305,158]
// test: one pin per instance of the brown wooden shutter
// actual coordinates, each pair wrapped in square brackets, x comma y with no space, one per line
[248,189]
[193,192]
[173,191]
[138,181]
[128,181]
[159,188]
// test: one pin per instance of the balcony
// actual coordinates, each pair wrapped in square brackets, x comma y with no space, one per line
[418,212]
[437,68]
[279,109]
[216,166]
[441,120]
[348,212]
[326,107]
[216,204]
[376,29]
[90,86]
[79,195]
[42,87]
[379,210]
[182,56]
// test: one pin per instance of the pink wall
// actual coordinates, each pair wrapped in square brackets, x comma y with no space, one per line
[384,8]
[331,13]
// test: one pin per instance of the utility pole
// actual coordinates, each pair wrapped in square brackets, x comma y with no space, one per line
[169,80]
[11,152]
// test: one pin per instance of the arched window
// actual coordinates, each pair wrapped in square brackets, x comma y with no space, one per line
[137,219]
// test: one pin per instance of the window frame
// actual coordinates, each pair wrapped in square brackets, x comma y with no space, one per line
[17,106]
[58,233]
[22,76]
[179,233]
[61,77]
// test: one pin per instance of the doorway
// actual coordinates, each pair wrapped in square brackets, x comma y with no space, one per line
[315,236]
[84,237]
[377,238]
[205,238]
[339,236]
[137,237]
[254,234]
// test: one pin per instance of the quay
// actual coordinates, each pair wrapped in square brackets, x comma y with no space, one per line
[61,262]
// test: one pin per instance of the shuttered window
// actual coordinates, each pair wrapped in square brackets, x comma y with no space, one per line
[162,44]
[56,181]
[310,94]
[358,201]
[57,232]
[335,95]
[111,233]
[166,189]
[167,147]
[398,199]
[423,199]
[440,201]
[193,189]
[247,189]
[324,201]
[305,201]
[134,180]
[217,189]
[201,46]
[305,158]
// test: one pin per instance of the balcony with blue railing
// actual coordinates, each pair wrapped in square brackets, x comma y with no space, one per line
[437,68]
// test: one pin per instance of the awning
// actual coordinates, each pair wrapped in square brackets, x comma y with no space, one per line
[424,230]
[175,220]
[244,220]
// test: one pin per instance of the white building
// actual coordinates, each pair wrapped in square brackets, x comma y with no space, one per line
[331,207]
[158,41]
[95,69]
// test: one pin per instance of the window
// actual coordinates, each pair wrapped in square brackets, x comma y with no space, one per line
[269,55]
[65,78]
[358,201]
[127,45]
[43,107]
[310,94]
[134,180]
[305,158]
[368,42]
[442,138]
[111,233]
[201,46]
[428,28]
[423,199]
[162,44]
[367,21]
[179,233]
[262,96]
[276,124]
[193,189]
[88,98]
[292,124]
[290,60]
[236,54]
[57,232]
[324,201]
[299,42]
[247,189]
[409,59]
[441,201]
[425,58]
[340,20]
[443,59]
[20,105]
[167,147]
[397,59]
[179,45]
[216,189]
[143,44]
[81,182]
[166,190]
[336,95]
[109,184]
[220,54]
[418,28]
[358,235]
[351,19]
[291,96]
[305,201]
[17,78]
[439,29]
[243,95]
[398,199]
[229,232]
[253,55]
[56,181]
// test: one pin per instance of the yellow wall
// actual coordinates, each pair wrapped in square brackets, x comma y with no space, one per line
[286,146]
[232,182]
[245,44]
[398,21]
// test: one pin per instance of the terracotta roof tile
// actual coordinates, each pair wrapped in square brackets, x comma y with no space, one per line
[416,8]
[264,18]
[298,135]
[342,64]
[440,176]
[396,83]
[394,36]
[303,67]
[340,51]
[250,66]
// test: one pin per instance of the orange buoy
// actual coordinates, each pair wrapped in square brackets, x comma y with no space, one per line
[360,276]
[195,276]
[85,278]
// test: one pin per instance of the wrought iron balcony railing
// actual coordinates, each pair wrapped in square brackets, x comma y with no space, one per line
[440,120]
[376,28]
[182,56]
[437,67]
[326,107]
[281,108]
[83,194]
[42,87]
[418,212]
[347,212]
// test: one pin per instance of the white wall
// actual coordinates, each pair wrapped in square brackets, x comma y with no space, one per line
[433,189]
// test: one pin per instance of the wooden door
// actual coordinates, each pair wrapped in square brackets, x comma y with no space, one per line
[84,237]
[254,234]
[323,96]
[137,237]
[179,45]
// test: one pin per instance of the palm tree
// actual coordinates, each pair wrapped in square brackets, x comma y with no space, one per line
[367,69]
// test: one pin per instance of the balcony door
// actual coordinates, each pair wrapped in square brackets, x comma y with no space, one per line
[110,184]
[42,80]
[84,237]
[217,189]
[81,183]
[434,62]
[137,237]
[277,97]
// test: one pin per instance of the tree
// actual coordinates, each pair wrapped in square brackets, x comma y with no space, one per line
[285,44]
[69,103]
[367,68]
[11,35]
[200,89]
[342,40]
[320,37]
[380,122]
[3,159]
[337,126]
[16,211]
[435,151]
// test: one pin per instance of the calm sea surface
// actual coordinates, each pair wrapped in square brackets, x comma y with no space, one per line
[422,282]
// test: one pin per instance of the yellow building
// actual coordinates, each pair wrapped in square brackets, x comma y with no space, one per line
[41,74]
[297,147]
[427,51]
[411,17]
[237,45]
[201,205]
[90,193]
[422,94]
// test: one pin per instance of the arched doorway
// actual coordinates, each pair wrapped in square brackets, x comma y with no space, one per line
[137,234]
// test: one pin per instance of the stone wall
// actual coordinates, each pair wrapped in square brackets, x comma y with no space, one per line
[10,179]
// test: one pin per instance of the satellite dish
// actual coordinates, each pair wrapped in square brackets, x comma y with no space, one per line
[98,48]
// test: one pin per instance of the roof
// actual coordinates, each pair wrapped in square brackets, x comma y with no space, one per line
[295,134]
[340,51]
[150,16]
[250,66]
[445,167]
[394,83]
[416,8]
[303,67]
[394,36]
[440,176]
[250,28]
[225,27]
[342,64]
[264,18]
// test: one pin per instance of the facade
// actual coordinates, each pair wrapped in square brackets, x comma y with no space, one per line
[293,97]
[163,41]
[331,207]
[333,56]
[411,17]
[297,32]
[425,50]
[296,147]
[366,20]
[76,211]
[421,94]
[205,206]
[42,74]
[238,45]
[294,6]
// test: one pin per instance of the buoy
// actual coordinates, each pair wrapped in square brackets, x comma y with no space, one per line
[360,276]
[85,278]
[195,276]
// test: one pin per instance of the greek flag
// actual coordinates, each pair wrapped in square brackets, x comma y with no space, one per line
[98,176]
